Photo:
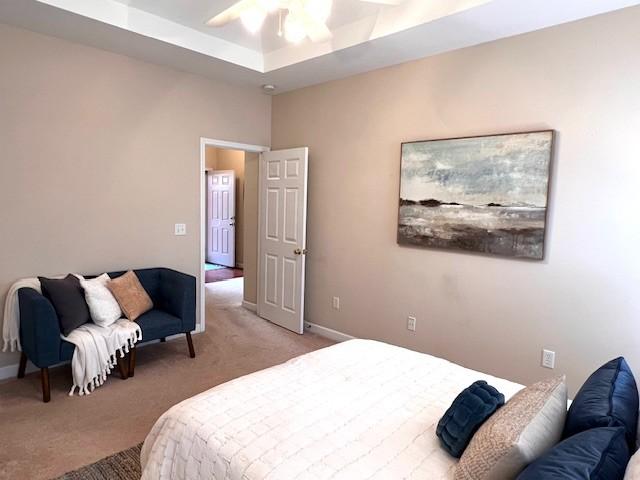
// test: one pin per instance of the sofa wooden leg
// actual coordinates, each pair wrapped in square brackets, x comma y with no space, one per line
[124,374]
[163,339]
[46,391]
[192,352]
[23,365]
[132,361]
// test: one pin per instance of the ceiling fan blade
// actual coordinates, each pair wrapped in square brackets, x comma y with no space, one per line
[316,31]
[230,14]
[384,2]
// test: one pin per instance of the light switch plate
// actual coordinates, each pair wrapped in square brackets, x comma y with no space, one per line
[411,323]
[336,303]
[181,229]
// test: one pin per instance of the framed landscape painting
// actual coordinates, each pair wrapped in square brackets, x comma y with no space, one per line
[481,194]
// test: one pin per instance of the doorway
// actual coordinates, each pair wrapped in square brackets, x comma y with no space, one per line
[272,245]
[225,214]
[237,276]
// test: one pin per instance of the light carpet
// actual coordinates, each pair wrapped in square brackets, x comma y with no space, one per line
[43,441]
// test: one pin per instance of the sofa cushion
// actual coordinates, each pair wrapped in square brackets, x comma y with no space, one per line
[597,454]
[131,296]
[609,398]
[67,297]
[66,350]
[467,413]
[157,324]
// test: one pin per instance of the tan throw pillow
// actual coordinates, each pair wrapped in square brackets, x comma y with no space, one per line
[131,296]
[521,431]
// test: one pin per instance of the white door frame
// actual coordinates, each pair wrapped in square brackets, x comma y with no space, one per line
[204,143]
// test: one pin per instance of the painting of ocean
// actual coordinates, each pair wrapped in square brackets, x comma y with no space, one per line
[482,194]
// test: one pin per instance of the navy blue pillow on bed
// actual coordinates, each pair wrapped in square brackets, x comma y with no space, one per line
[609,398]
[466,414]
[597,454]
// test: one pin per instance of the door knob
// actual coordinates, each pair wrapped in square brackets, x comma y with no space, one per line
[299,251]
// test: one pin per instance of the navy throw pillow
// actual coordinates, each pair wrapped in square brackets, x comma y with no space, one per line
[597,454]
[466,414]
[609,398]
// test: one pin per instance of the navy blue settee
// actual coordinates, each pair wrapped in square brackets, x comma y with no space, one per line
[174,312]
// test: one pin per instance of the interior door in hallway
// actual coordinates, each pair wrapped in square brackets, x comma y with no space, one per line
[282,237]
[221,208]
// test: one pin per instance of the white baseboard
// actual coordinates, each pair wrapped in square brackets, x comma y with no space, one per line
[326,332]
[11,371]
[252,307]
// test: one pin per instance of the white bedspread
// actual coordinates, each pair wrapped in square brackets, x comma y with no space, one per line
[359,409]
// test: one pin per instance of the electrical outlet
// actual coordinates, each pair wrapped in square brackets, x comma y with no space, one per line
[336,303]
[180,229]
[548,359]
[411,324]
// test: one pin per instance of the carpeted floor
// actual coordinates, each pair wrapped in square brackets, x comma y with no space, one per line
[43,441]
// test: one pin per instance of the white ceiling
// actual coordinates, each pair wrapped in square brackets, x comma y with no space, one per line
[194,14]
[365,36]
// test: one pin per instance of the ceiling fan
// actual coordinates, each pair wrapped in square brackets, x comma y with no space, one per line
[304,18]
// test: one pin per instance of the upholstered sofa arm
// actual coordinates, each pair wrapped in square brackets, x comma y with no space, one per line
[39,328]
[178,292]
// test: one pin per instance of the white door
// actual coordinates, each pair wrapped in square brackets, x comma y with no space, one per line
[221,212]
[282,237]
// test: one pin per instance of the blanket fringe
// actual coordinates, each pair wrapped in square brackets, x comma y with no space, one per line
[96,382]
[12,346]
[101,378]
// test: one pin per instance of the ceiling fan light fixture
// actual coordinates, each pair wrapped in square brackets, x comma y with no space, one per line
[294,30]
[253,18]
[269,6]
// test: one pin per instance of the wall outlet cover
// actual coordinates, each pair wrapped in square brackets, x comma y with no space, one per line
[548,359]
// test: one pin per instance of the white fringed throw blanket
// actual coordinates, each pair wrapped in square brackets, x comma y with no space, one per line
[96,349]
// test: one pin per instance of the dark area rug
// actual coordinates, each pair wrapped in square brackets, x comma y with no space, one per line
[123,465]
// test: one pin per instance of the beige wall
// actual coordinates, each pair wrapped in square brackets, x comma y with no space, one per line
[222,159]
[100,156]
[251,228]
[489,313]
[210,158]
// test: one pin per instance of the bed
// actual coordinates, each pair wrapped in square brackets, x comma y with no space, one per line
[358,409]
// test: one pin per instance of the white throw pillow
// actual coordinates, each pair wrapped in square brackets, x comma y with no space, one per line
[633,468]
[103,306]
